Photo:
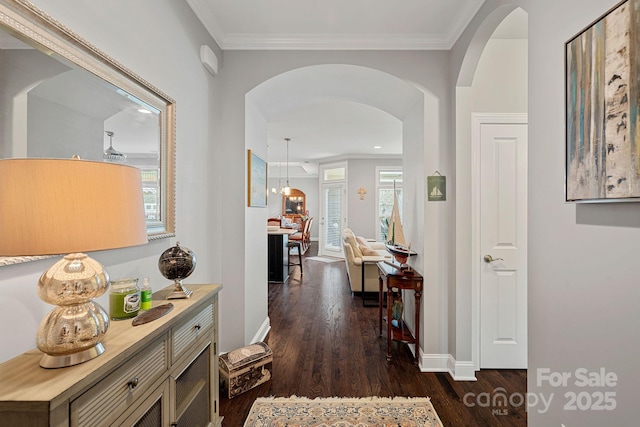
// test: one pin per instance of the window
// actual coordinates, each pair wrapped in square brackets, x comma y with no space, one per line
[150,193]
[386,178]
[335,174]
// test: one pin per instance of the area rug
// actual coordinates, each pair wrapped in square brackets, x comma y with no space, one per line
[342,412]
[323,259]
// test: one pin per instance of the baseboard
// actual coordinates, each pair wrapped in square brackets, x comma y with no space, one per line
[433,362]
[261,335]
[459,371]
[463,371]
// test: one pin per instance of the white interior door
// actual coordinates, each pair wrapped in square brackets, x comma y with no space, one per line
[503,245]
[332,219]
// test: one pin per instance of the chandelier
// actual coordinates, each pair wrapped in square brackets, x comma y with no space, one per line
[111,154]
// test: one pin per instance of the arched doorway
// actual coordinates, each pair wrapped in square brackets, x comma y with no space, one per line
[356,84]
[489,88]
[347,84]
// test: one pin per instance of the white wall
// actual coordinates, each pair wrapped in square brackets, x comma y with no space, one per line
[160,41]
[255,304]
[583,285]
[362,213]
[583,291]
[500,81]
[20,71]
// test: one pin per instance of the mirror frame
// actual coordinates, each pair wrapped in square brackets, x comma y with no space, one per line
[24,20]
[294,192]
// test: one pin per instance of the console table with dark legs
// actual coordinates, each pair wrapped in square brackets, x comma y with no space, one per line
[390,278]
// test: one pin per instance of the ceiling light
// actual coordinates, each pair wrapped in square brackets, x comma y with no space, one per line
[377,147]
[111,154]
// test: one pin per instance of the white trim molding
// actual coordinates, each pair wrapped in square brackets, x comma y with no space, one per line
[459,371]
[261,335]
[229,40]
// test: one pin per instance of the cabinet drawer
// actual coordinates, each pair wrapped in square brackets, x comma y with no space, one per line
[109,399]
[183,336]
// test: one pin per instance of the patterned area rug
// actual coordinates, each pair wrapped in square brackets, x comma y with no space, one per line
[342,412]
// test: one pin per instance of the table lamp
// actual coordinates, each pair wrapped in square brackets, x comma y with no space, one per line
[58,206]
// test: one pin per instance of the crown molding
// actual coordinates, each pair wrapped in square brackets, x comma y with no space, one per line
[334,42]
[236,41]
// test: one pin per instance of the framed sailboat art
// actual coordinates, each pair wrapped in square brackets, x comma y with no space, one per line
[437,188]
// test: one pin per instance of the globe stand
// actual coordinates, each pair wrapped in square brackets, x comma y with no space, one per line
[177,263]
[179,292]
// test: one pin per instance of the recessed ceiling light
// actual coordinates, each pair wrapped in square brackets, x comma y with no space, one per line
[377,147]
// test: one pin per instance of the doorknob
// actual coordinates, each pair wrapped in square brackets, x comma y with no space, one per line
[489,258]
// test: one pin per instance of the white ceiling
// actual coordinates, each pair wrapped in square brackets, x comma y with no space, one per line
[333,128]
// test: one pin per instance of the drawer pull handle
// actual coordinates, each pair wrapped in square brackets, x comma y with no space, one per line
[197,327]
[133,383]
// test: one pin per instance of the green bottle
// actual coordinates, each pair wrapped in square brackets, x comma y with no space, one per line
[145,295]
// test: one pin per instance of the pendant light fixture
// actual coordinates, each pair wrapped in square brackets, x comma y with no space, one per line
[111,154]
[287,190]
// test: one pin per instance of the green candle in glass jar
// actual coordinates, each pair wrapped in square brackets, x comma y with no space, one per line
[124,298]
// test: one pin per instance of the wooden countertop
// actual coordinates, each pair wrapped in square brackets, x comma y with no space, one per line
[282,231]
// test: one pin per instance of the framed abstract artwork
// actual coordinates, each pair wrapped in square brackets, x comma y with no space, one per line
[257,179]
[602,96]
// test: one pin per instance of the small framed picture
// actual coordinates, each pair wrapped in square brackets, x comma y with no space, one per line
[436,188]
[257,179]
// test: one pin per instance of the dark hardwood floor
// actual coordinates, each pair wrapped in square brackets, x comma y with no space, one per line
[326,344]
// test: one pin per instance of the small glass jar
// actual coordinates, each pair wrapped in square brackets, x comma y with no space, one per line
[124,298]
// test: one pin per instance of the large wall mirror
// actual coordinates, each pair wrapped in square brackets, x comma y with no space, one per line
[295,203]
[60,96]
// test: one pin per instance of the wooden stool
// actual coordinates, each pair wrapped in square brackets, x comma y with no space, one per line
[294,244]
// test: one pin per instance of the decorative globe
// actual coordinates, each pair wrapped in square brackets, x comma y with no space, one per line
[177,263]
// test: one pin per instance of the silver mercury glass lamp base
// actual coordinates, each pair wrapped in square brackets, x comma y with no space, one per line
[50,361]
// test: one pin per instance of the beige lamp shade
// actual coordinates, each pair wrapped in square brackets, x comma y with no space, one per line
[58,206]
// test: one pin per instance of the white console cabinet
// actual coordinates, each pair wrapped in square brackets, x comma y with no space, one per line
[162,373]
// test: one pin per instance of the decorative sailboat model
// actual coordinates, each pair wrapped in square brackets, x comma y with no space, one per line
[396,242]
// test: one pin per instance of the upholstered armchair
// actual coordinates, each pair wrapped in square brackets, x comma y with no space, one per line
[358,250]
